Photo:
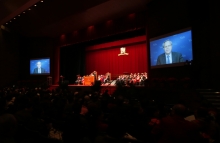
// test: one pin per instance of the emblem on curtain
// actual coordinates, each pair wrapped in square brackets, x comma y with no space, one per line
[122,51]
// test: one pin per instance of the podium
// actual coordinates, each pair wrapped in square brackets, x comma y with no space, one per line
[49,80]
[89,80]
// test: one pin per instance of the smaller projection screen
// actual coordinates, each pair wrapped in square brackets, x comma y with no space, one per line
[40,66]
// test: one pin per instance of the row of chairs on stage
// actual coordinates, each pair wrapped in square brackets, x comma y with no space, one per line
[125,79]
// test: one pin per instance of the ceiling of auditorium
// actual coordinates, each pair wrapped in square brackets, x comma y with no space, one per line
[54,17]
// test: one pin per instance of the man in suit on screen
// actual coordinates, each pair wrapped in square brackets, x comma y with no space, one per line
[169,57]
[39,69]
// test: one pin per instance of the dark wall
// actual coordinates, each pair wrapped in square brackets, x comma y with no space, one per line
[214,44]
[35,48]
[16,52]
[126,24]
[72,62]
[9,57]
[167,16]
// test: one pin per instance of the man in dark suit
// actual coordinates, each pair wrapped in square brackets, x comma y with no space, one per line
[39,69]
[169,57]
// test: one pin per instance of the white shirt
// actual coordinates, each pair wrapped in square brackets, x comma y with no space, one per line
[170,58]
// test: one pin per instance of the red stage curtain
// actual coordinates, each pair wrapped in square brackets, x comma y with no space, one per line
[106,59]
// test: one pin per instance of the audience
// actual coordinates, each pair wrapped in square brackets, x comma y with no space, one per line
[128,115]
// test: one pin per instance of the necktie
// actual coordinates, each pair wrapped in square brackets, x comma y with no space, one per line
[168,59]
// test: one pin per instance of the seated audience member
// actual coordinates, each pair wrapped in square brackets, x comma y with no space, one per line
[206,124]
[37,123]
[78,80]
[175,129]
[115,133]
[142,79]
[119,80]
[76,126]
[107,79]
[24,116]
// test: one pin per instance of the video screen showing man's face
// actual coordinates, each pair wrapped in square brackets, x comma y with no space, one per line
[40,66]
[171,49]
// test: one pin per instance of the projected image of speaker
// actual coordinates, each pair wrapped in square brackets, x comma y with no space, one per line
[40,66]
[172,49]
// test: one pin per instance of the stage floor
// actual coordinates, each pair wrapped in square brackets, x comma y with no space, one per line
[73,87]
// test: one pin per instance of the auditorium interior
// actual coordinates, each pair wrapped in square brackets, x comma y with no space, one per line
[100,85]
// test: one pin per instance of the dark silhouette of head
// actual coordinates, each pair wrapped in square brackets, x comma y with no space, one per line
[179,110]
[2,105]
[116,127]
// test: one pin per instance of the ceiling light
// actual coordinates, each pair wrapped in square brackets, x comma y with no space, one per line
[14,18]
[24,12]
[42,1]
[19,15]
[29,9]
[35,5]
[6,23]
[10,21]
